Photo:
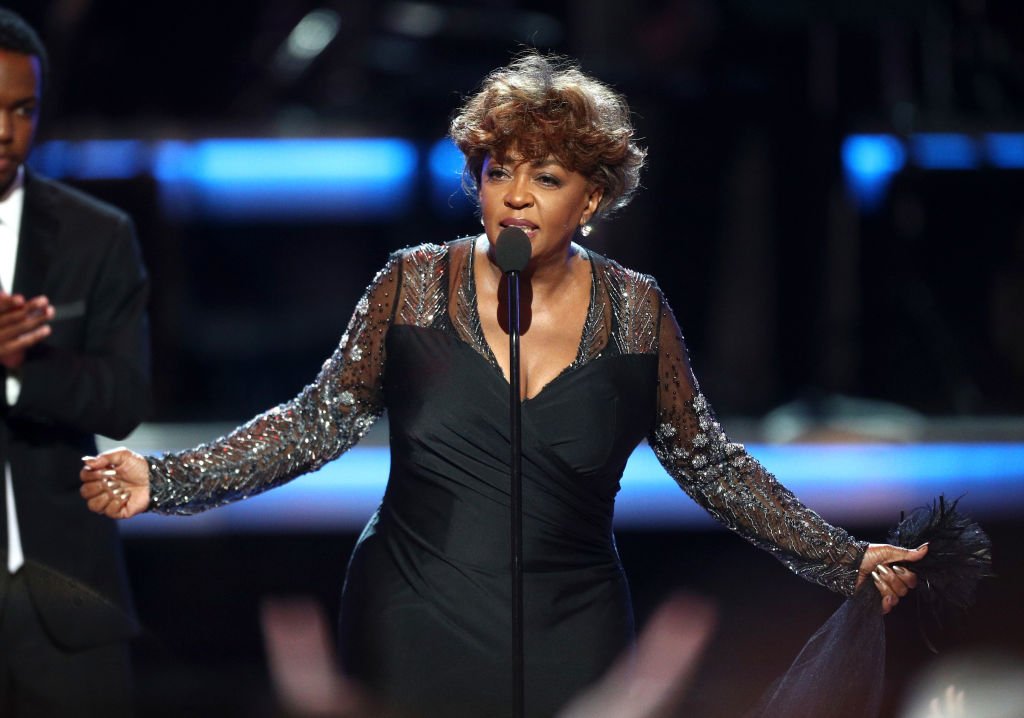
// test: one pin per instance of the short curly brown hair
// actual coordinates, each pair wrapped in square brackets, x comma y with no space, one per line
[543,106]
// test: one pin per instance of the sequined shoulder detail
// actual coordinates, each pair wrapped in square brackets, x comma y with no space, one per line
[424,290]
[635,301]
[464,314]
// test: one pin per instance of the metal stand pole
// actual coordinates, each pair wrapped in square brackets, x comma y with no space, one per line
[516,494]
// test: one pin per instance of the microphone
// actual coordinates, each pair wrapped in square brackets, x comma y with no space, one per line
[512,250]
[512,253]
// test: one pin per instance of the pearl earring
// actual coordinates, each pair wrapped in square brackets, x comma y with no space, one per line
[586,229]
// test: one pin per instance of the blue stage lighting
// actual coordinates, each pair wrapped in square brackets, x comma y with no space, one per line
[869,162]
[91,159]
[51,158]
[944,151]
[847,483]
[1005,149]
[446,162]
[252,179]
[293,179]
[447,194]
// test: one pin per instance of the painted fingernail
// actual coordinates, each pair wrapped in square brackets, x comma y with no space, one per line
[88,458]
[924,545]
[898,570]
[875,576]
[882,570]
[108,472]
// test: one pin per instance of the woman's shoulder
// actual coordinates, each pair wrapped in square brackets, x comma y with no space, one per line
[431,253]
[636,304]
[622,279]
[421,269]
[420,253]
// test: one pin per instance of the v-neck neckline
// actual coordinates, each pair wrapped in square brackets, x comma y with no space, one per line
[483,347]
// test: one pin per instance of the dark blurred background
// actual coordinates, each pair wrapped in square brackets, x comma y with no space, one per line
[799,296]
[784,289]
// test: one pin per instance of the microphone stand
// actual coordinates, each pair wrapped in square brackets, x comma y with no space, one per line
[516,493]
[512,255]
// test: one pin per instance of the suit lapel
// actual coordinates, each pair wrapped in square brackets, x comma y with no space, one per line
[39,227]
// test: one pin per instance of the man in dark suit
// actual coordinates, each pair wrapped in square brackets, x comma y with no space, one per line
[74,354]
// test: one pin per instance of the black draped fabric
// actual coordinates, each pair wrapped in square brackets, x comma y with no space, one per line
[426,608]
[839,672]
[426,612]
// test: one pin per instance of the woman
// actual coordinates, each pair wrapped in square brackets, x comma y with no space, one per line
[425,607]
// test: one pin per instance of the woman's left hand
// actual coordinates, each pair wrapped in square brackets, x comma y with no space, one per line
[892,581]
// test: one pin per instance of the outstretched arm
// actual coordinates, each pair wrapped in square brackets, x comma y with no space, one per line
[297,437]
[738,491]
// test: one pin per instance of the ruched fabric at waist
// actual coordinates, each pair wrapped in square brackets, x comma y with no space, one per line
[470,525]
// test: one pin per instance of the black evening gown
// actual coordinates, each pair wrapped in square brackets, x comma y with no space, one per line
[426,608]
[426,616]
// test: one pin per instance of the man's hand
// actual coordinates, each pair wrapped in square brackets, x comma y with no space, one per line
[23,324]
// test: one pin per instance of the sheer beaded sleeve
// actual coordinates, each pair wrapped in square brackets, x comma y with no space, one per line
[731,485]
[294,438]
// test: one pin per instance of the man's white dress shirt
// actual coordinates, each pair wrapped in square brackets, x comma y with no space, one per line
[11,204]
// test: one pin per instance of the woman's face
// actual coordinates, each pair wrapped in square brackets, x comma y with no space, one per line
[542,197]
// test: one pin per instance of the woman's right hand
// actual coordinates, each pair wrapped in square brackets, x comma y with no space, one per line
[115,483]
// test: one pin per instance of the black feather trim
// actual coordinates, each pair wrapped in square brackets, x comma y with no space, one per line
[959,555]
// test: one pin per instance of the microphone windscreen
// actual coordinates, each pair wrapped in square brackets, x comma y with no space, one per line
[512,250]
